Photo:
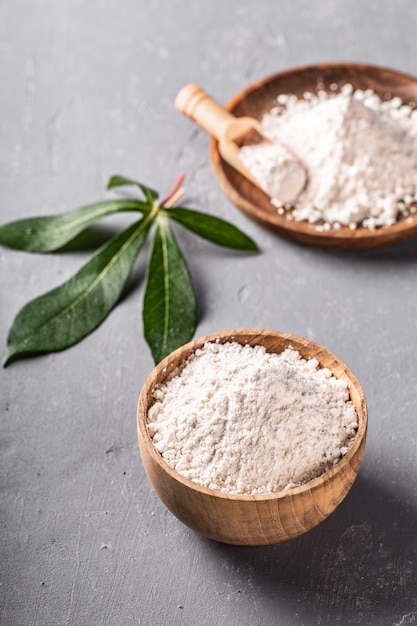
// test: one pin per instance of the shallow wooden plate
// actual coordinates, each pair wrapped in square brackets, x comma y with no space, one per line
[259,97]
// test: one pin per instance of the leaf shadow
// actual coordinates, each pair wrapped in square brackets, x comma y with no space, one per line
[200,254]
[358,567]
[137,278]
[90,239]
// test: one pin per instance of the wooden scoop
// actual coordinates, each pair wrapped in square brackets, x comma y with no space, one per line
[234,133]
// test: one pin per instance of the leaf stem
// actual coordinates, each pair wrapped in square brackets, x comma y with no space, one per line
[174,194]
[174,198]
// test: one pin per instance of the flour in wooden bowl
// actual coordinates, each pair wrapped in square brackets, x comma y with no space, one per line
[244,421]
[360,153]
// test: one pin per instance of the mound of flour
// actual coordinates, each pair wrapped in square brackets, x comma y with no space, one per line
[240,420]
[360,153]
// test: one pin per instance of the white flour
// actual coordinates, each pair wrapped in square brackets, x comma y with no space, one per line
[278,171]
[240,420]
[360,154]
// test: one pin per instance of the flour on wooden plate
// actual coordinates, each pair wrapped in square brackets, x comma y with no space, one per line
[240,420]
[360,154]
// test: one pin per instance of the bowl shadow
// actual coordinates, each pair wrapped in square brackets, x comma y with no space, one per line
[401,252]
[359,566]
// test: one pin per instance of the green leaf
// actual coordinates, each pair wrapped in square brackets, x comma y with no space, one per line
[45,234]
[170,306]
[212,228]
[118,181]
[65,315]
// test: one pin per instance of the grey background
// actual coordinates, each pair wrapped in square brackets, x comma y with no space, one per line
[87,90]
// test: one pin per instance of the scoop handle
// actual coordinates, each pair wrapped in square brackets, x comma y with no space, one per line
[196,104]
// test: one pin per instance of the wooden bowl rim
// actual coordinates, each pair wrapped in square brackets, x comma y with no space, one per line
[361,237]
[233,335]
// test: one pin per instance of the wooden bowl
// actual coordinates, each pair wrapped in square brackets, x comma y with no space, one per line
[258,98]
[259,519]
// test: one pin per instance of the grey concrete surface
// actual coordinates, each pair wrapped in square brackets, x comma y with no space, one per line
[87,90]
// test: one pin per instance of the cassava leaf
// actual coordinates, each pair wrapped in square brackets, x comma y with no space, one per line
[212,228]
[45,234]
[65,315]
[170,306]
[118,181]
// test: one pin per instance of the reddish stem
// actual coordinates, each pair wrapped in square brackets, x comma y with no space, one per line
[173,190]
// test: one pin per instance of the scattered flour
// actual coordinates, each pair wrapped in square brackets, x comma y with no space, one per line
[360,153]
[240,420]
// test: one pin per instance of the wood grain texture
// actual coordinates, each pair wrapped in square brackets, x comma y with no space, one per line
[231,132]
[88,91]
[263,518]
[259,97]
